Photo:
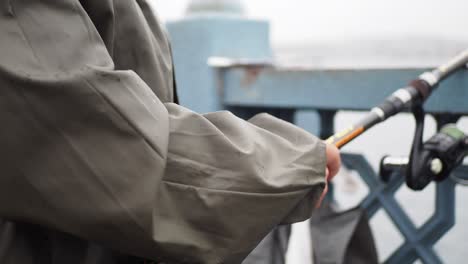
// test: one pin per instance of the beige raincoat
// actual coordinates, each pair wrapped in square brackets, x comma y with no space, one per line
[98,164]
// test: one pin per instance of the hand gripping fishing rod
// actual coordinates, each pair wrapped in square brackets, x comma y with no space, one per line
[410,97]
[415,94]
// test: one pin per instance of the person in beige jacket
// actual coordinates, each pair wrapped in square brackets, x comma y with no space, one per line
[100,166]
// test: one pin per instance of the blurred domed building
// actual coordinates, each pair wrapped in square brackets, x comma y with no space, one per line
[215,6]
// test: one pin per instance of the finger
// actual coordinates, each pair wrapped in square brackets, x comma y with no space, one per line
[333,160]
[322,196]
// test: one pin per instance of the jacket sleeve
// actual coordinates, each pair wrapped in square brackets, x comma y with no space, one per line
[93,152]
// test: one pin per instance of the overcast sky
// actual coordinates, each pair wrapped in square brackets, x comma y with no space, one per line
[299,20]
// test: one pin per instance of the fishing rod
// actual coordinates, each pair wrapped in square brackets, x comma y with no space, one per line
[415,94]
[434,159]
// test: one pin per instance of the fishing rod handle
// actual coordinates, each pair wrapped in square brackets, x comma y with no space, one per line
[345,136]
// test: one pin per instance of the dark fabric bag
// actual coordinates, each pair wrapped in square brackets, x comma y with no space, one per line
[342,237]
[337,238]
[272,249]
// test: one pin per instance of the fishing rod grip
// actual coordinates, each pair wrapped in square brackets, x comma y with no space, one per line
[345,136]
[342,138]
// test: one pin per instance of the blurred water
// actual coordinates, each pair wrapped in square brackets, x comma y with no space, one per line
[370,52]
